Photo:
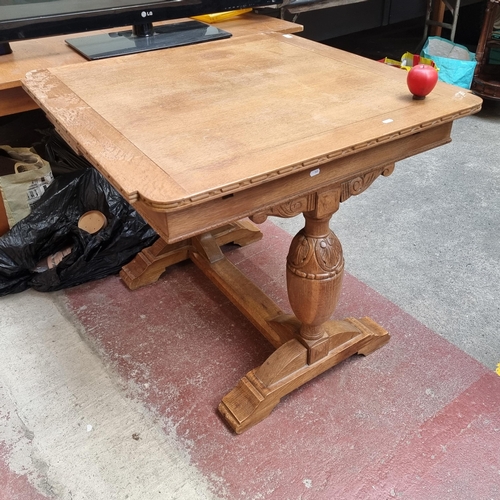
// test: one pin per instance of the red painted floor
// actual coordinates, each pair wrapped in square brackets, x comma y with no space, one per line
[15,486]
[417,419]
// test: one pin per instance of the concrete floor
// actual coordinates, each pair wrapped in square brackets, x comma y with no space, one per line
[110,394]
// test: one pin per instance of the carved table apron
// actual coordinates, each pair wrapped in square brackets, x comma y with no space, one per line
[201,137]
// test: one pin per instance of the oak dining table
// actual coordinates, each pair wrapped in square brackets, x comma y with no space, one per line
[209,140]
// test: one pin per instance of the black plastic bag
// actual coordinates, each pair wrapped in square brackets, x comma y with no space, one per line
[61,157]
[53,226]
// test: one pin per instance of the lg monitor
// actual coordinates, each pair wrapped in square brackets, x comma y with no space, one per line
[28,19]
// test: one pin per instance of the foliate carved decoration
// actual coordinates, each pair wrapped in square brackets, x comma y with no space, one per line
[315,258]
[288,209]
[359,184]
[324,201]
[388,170]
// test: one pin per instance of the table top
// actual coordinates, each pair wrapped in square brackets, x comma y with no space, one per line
[176,127]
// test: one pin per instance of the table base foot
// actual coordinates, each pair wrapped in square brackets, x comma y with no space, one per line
[149,264]
[260,390]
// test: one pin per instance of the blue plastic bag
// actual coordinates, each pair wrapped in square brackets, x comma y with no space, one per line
[455,62]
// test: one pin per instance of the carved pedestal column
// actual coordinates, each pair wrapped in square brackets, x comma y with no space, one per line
[311,343]
[315,267]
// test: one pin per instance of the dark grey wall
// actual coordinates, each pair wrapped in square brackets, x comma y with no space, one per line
[337,21]
[402,10]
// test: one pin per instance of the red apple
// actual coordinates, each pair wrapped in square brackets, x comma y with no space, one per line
[421,79]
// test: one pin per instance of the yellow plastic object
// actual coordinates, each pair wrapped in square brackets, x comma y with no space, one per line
[221,16]
[408,60]
[391,62]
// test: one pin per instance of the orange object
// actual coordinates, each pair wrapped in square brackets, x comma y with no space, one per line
[92,221]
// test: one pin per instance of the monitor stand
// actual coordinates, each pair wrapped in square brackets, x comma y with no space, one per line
[5,49]
[145,37]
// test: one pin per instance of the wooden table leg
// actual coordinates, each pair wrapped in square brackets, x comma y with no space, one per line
[149,264]
[311,343]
